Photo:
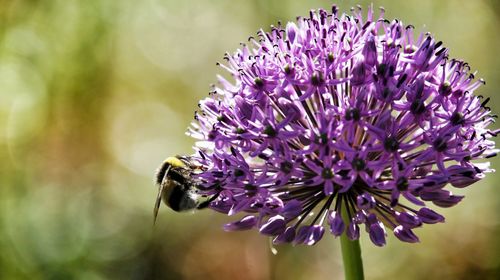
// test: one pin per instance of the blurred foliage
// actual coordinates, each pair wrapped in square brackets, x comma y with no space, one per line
[94,94]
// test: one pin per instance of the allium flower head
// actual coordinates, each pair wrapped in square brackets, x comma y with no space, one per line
[336,121]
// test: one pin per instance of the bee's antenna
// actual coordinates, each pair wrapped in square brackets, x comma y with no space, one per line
[160,193]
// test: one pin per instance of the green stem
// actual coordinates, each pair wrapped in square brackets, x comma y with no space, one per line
[351,253]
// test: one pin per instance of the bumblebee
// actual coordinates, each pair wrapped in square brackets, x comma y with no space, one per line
[177,188]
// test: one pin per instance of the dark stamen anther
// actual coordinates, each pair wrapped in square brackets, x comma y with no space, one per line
[259,83]
[483,104]
[327,173]
[358,164]
[391,144]
[352,114]
[317,79]
[457,118]
[238,172]
[402,184]
[401,80]
[439,144]
[270,131]
[417,107]
[286,167]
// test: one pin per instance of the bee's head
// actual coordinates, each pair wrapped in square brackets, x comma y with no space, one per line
[169,163]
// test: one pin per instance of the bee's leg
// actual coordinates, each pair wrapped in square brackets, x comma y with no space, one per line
[206,203]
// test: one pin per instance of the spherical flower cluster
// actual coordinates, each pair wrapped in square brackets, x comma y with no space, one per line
[340,121]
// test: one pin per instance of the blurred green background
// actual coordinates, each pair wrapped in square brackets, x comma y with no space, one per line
[95,94]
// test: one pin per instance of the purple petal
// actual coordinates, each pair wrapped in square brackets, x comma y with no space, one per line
[428,216]
[286,237]
[245,223]
[434,195]
[302,235]
[370,51]
[274,226]
[405,234]
[394,198]
[328,188]
[365,201]
[408,220]
[434,182]
[223,203]
[377,234]
[359,74]
[291,31]
[336,223]
[463,181]
[449,201]
[315,234]
[360,217]
[291,111]
[273,205]
[240,206]
[413,199]
[292,209]
[353,231]
[371,219]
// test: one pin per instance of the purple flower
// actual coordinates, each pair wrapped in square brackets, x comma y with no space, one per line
[338,121]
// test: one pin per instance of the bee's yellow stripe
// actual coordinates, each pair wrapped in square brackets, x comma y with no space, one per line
[175,162]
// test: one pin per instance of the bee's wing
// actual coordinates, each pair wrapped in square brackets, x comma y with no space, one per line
[157,203]
[161,189]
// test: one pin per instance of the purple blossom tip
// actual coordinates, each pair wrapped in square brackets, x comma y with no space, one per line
[302,235]
[341,113]
[377,234]
[245,223]
[292,209]
[405,234]
[309,235]
[286,237]
[408,220]
[365,201]
[428,216]
[353,231]
[275,226]
[336,223]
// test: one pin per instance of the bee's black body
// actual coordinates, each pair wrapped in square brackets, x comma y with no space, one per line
[177,188]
